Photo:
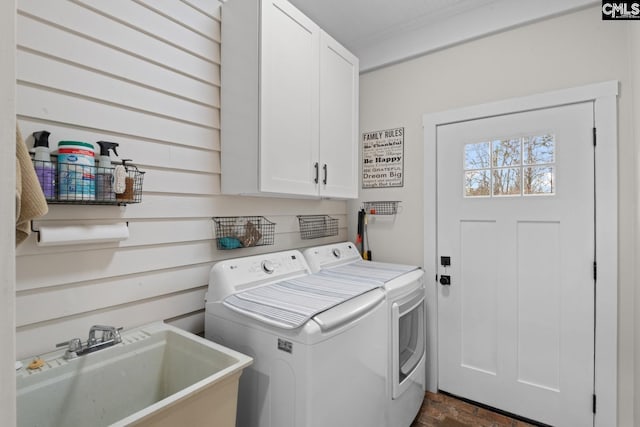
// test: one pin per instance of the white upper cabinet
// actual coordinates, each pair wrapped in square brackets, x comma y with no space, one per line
[289,105]
[338,120]
[289,72]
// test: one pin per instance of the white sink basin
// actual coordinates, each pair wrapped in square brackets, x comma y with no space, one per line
[159,375]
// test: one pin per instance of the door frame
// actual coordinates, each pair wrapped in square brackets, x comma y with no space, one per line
[604,98]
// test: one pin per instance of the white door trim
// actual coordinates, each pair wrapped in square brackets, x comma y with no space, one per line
[604,96]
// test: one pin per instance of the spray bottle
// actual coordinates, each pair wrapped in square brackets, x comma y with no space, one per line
[45,170]
[104,175]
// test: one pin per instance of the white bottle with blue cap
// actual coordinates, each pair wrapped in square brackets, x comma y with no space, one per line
[104,174]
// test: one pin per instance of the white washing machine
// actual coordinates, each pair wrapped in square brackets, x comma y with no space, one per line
[404,295]
[310,370]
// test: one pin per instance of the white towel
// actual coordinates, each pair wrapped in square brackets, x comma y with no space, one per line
[30,200]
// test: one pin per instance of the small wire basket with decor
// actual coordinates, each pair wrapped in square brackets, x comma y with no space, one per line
[234,232]
[316,226]
[381,207]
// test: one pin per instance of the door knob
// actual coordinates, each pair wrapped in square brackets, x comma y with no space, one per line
[445,280]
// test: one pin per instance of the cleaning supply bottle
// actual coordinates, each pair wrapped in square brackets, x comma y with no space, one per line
[104,174]
[42,164]
[76,171]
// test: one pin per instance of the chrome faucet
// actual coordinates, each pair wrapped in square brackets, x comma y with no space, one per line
[109,336]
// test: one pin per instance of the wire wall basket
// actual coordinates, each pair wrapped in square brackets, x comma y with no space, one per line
[316,226]
[381,207]
[74,184]
[234,232]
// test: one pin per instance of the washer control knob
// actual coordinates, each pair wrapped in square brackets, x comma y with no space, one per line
[336,253]
[268,267]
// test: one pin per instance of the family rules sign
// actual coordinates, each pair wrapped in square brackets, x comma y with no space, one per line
[383,158]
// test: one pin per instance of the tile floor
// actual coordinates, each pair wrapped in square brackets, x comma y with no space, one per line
[441,410]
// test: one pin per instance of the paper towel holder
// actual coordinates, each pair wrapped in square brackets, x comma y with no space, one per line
[94,233]
[35,230]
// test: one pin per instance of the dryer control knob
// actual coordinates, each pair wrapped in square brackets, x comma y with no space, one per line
[268,267]
[336,253]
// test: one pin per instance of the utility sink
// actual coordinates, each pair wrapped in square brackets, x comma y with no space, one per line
[158,375]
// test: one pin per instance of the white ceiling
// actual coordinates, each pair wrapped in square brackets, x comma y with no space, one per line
[356,22]
[382,32]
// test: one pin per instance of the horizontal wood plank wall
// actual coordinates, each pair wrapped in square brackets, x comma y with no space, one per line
[145,74]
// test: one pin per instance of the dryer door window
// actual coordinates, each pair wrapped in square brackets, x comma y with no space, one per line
[408,339]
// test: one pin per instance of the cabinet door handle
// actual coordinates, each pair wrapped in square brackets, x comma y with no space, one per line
[324,168]
[317,172]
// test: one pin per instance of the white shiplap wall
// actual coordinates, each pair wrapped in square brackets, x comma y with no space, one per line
[146,74]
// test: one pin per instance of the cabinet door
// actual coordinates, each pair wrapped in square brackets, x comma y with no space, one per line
[289,100]
[339,76]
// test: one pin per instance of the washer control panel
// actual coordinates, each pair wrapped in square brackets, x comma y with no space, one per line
[232,275]
[331,255]
[269,265]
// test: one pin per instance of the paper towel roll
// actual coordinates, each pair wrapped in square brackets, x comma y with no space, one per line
[81,234]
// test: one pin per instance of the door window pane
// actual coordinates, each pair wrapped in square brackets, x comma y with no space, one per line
[539,180]
[506,182]
[477,156]
[540,149]
[477,183]
[506,152]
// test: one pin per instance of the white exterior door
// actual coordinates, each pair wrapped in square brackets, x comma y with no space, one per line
[515,213]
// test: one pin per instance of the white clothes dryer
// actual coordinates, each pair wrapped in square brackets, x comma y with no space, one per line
[404,296]
[319,357]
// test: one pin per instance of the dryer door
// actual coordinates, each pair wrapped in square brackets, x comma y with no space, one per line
[408,339]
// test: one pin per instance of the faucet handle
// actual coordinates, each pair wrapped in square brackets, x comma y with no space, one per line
[74,345]
[112,335]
